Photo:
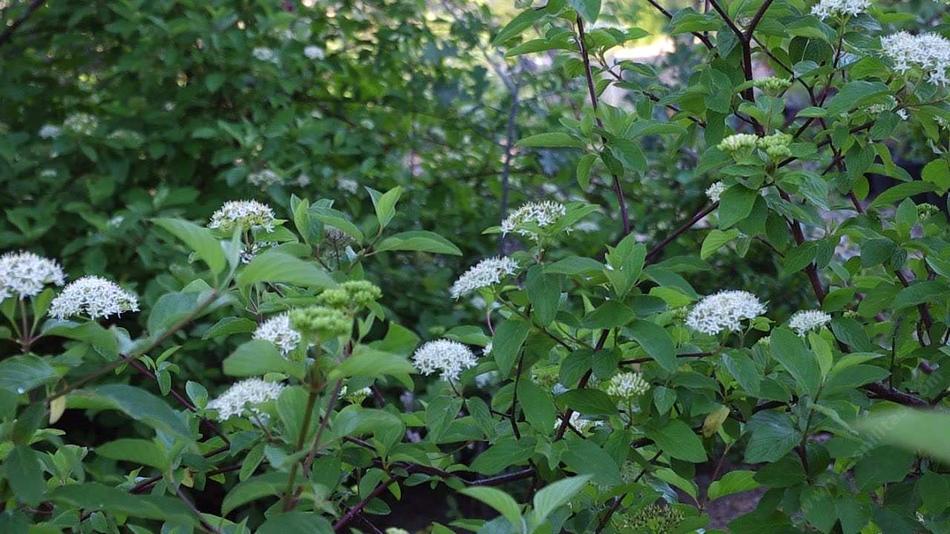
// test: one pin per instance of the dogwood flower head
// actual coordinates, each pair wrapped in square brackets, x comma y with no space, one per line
[264,178]
[486,273]
[805,320]
[24,274]
[714,191]
[737,142]
[772,84]
[278,331]
[93,297]
[242,214]
[313,52]
[48,131]
[776,145]
[320,322]
[526,219]
[724,311]
[447,357]
[828,8]
[81,124]
[348,184]
[245,397]
[627,385]
[928,51]
[263,53]
[357,396]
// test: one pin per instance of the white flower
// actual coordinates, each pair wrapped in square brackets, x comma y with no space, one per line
[313,52]
[724,311]
[627,385]
[347,184]
[828,8]
[265,178]
[278,331]
[93,297]
[81,124]
[715,190]
[805,320]
[243,214]
[244,398]
[532,215]
[487,272]
[449,358]
[24,274]
[48,131]
[928,51]
[262,53]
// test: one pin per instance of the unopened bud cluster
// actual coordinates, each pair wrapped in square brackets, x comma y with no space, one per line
[320,322]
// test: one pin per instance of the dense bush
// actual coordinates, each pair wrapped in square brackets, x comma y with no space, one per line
[496,278]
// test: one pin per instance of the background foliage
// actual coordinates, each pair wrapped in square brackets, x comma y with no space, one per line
[412,127]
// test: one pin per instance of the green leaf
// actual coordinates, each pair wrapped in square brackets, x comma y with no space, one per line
[385,205]
[522,22]
[656,341]
[537,404]
[338,220]
[440,413]
[145,407]
[369,362]
[743,369]
[732,482]
[555,495]
[256,358]
[625,263]
[296,523]
[198,239]
[588,402]
[936,172]
[420,241]
[587,9]
[139,451]
[509,337]
[773,436]
[171,308]
[506,451]
[921,431]
[900,192]
[20,374]
[25,474]
[94,497]
[735,204]
[585,457]
[276,267]
[584,165]
[544,293]
[574,265]
[610,314]
[678,440]
[919,293]
[715,240]
[551,140]
[499,500]
[854,94]
[789,350]
[250,490]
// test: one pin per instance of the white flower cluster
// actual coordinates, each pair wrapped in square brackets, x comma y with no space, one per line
[627,385]
[313,52]
[348,184]
[928,51]
[244,397]
[243,214]
[828,8]
[278,331]
[48,131]
[262,53]
[724,311]
[81,124]
[715,191]
[264,178]
[890,104]
[126,137]
[93,297]
[24,274]
[533,214]
[486,273]
[805,320]
[449,358]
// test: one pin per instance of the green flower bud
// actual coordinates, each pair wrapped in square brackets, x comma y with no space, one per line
[772,84]
[335,298]
[320,322]
[362,292]
[653,519]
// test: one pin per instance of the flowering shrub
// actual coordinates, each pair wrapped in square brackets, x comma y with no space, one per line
[282,364]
